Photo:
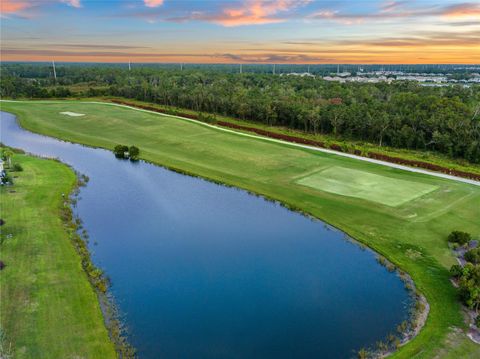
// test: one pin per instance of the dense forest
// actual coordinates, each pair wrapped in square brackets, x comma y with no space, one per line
[401,114]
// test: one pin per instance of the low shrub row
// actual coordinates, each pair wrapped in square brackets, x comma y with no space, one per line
[426,165]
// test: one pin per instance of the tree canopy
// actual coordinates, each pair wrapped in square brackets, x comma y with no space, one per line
[401,114]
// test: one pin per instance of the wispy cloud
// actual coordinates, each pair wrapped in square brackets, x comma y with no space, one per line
[91,46]
[21,7]
[269,58]
[100,54]
[265,57]
[255,12]
[419,40]
[248,12]
[73,3]
[13,6]
[153,3]
[400,9]
[463,10]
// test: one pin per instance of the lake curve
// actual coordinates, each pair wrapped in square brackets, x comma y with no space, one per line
[207,271]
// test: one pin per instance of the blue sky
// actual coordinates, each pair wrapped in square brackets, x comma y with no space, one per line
[249,31]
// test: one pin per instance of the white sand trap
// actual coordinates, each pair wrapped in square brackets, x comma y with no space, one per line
[73,114]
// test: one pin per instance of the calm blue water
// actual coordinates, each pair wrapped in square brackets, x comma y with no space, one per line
[205,271]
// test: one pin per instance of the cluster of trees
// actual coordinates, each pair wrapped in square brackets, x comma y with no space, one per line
[467,276]
[459,238]
[403,115]
[125,152]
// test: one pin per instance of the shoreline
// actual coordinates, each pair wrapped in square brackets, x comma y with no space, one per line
[100,282]
[406,336]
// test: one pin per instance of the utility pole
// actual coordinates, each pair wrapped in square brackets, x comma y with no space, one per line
[54,71]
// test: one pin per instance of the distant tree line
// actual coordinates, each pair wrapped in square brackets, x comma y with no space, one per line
[402,115]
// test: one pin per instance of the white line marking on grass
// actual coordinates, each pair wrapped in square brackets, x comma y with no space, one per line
[324,150]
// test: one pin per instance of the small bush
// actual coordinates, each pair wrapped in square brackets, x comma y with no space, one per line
[477,321]
[120,151]
[133,152]
[459,237]
[473,256]
[456,270]
[17,167]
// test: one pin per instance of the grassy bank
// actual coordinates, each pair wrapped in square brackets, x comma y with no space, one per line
[410,229]
[48,307]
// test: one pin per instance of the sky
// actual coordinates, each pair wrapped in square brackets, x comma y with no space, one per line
[241,31]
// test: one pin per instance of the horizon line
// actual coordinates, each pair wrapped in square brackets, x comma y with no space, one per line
[244,63]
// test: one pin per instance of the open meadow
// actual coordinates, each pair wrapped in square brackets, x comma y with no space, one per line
[402,215]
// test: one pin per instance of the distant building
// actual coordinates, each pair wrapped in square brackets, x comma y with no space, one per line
[301,74]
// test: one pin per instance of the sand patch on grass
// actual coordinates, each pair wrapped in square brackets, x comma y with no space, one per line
[72,114]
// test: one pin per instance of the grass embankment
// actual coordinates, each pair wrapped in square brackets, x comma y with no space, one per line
[411,234]
[48,307]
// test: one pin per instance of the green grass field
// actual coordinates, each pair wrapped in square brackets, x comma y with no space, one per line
[48,308]
[404,216]
[410,154]
[368,186]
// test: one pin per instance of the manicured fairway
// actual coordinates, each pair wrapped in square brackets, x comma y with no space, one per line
[48,308]
[409,226]
[365,185]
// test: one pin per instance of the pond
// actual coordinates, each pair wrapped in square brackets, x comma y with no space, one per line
[201,270]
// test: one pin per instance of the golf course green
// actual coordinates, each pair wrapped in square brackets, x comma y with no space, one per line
[402,215]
